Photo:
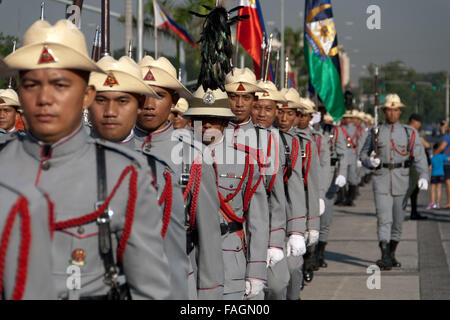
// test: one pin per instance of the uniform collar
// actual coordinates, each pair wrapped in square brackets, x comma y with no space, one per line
[65,146]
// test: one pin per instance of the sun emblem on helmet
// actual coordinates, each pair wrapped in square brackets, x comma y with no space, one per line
[209,98]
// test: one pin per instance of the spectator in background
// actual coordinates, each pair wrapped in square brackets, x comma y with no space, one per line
[443,128]
[444,147]
[437,177]
[415,121]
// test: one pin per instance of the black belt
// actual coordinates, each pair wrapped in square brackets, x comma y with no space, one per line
[230,227]
[405,164]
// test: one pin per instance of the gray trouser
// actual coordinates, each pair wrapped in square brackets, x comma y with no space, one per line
[295,282]
[277,281]
[353,177]
[390,216]
[327,216]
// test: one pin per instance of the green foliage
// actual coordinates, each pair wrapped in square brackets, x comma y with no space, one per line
[6,47]
[420,92]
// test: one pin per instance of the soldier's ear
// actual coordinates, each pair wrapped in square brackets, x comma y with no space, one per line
[89,96]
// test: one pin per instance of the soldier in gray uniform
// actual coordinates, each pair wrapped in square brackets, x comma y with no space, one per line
[24,216]
[349,130]
[193,238]
[391,151]
[335,143]
[104,219]
[290,191]
[9,109]
[317,184]
[244,212]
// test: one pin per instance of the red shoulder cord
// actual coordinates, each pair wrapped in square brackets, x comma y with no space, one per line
[336,132]
[350,140]
[277,160]
[132,195]
[319,144]
[307,159]
[195,176]
[166,198]
[394,147]
[249,191]
[21,206]
[294,157]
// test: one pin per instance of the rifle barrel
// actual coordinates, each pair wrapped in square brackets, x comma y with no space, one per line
[105,51]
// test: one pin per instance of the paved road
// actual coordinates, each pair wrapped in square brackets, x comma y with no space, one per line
[353,246]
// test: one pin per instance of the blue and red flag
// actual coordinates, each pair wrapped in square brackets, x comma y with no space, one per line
[250,32]
[163,20]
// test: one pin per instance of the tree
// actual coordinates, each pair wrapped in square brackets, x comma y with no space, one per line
[6,47]
[395,77]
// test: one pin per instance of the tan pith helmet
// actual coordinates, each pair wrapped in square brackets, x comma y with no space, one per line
[8,97]
[181,106]
[242,81]
[121,75]
[393,101]
[212,103]
[272,93]
[162,73]
[61,46]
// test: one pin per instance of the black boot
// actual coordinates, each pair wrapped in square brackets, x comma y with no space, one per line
[340,197]
[392,247]
[417,216]
[385,262]
[308,272]
[351,194]
[320,254]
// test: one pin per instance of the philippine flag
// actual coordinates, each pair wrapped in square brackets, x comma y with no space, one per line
[250,31]
[162,20]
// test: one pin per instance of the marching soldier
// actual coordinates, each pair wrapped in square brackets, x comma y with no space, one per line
[26,270]
[391,152]
[287,121]
[244,213]
[335,143]
[9,109]
[351,134]
[193,231]
[319,167]
[290,191]
[104,219]
[176,116]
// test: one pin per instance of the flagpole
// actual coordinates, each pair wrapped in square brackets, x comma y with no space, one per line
[156,30]
[140,30]
[282,38]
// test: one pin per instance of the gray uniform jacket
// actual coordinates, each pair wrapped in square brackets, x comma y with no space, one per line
[66,171]
[395,145]
[26,275]
[295,191]
[258,137]
[234,183]
[348,168]
[323,150]
[312,191]
[177,148]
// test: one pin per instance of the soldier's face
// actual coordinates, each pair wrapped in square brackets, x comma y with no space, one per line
[113,114]
[155,112]
[392,115]
[212,129]
[286,119]
[303,120]
[264,112]
[241,105]
[8,117]
[178,121]
[53,101]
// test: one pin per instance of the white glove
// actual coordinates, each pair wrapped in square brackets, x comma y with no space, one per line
[315,118]
[253,287]
[359,163]
[274,255]
[423,184]
[313,237]
[296,245]
[341,181]
[374,162]
[321,207]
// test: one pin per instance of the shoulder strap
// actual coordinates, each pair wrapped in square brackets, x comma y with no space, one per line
[104,235]
[287,153]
